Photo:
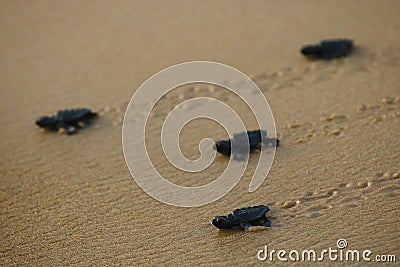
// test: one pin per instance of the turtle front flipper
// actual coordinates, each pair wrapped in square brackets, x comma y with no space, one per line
[69,129]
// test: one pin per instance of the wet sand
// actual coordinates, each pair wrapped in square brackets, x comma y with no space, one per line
[70,200]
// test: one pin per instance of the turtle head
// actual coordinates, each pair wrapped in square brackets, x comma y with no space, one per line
[311,50]
[222,222]
[47,122]
[223,147]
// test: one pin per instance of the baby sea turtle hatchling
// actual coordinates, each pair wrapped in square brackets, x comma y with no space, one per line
[239,142]
[244,218]
[328,49]
[68,120]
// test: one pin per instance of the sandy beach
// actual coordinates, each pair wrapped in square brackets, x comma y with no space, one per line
[70,200]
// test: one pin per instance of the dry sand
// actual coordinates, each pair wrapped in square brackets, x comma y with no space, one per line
[70,200]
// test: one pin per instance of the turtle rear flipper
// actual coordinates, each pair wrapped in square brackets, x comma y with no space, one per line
[245,225]
[239,156]
[266,223]
[84,123]
[274,142]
